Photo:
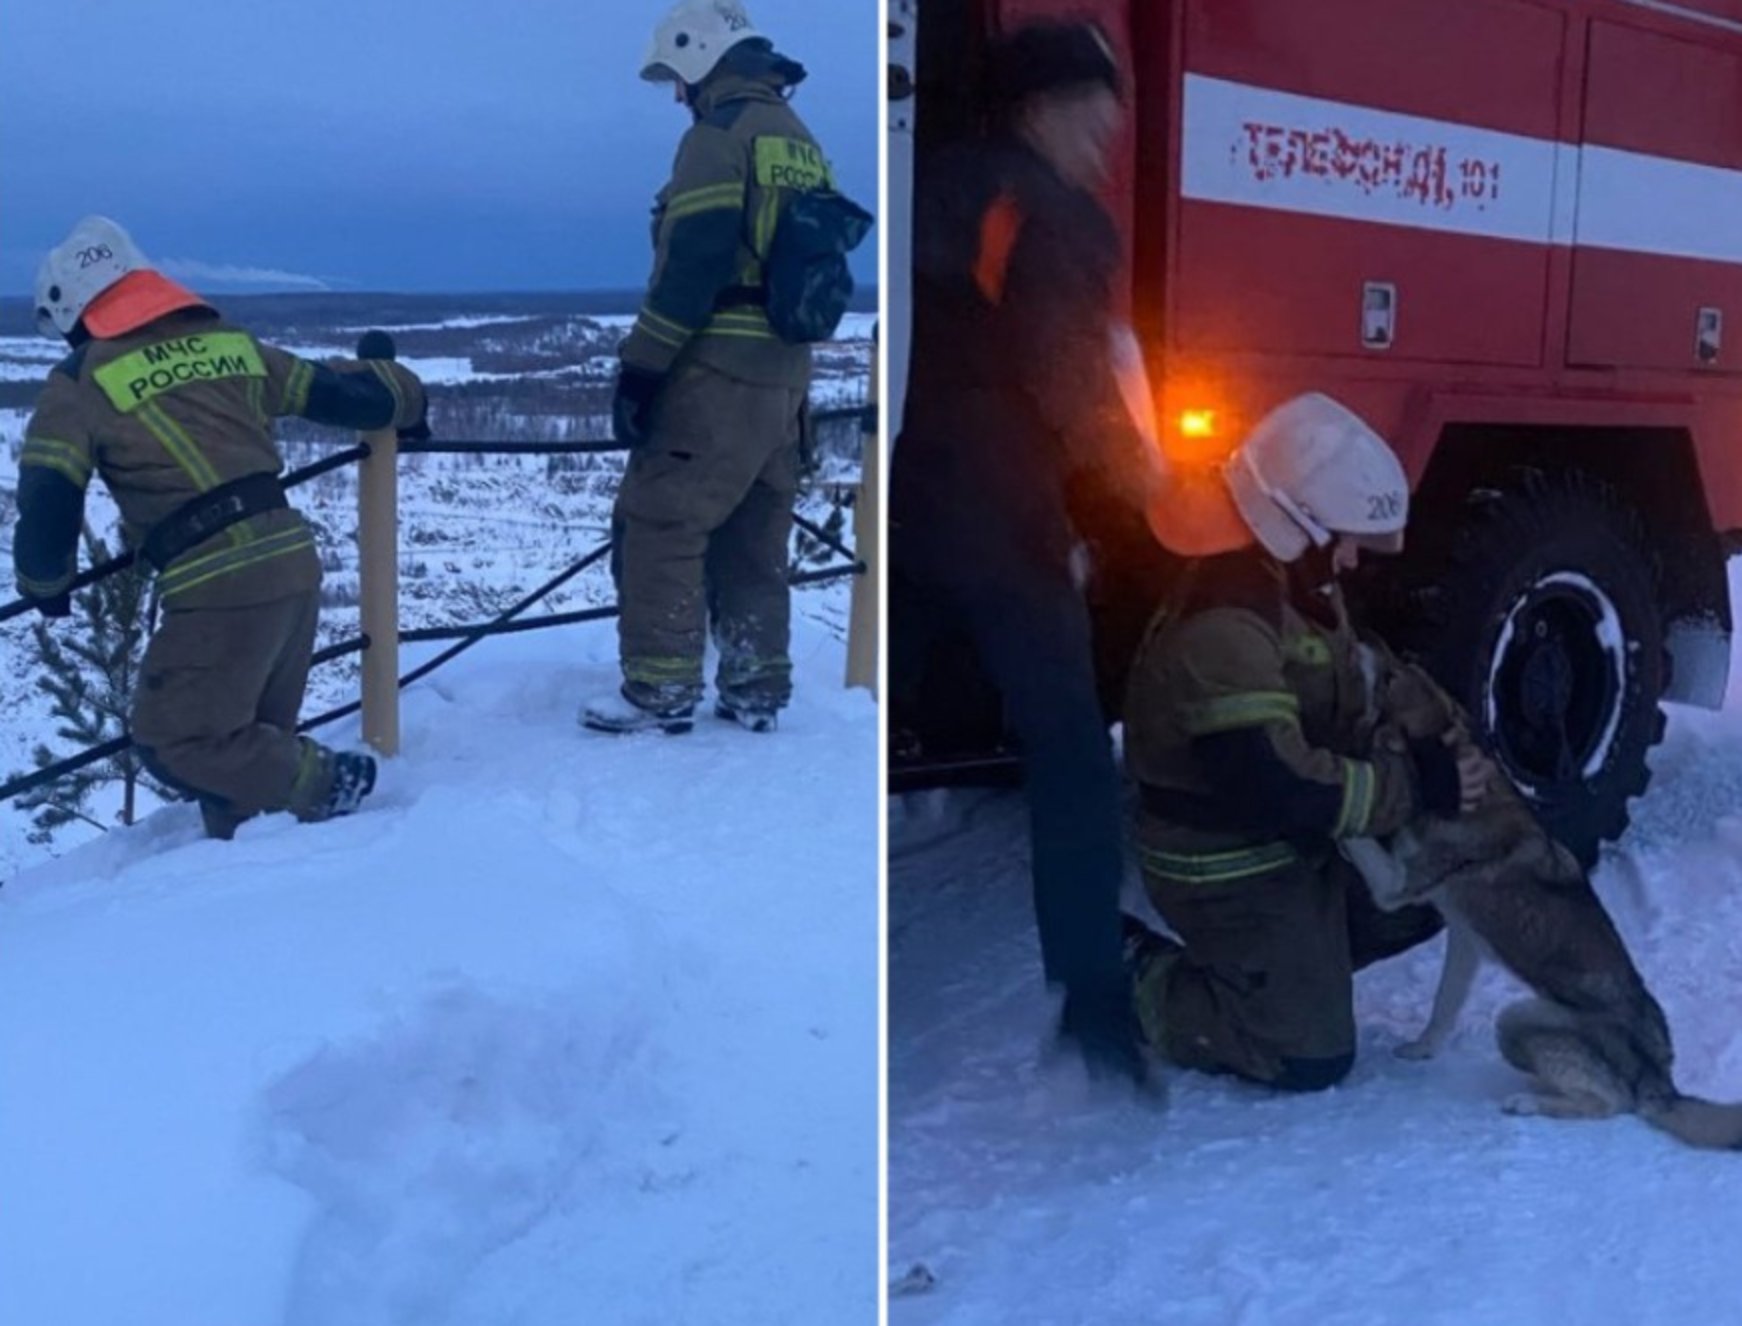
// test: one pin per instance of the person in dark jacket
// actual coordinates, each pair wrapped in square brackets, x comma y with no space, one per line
[173,407]
[1015,264]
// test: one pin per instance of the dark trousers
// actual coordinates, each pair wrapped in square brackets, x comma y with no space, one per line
[1030,628]
[216,711]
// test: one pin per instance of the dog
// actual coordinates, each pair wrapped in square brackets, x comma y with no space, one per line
[1593,1041]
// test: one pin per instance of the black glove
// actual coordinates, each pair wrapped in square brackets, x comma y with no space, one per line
[376,345]
[418,432]
[57,606]
[636,388]
[379,345]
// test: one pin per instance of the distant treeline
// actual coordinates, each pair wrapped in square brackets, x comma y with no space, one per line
[315,309]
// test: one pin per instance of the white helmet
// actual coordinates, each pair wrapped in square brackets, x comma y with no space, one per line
[1312,470]
[97,254]
[690,40]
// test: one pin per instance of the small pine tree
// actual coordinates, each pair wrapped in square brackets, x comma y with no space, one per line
[90,669]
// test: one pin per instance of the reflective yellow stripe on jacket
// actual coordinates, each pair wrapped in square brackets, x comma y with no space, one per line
[62,457]
[1217,867]
[1226,713]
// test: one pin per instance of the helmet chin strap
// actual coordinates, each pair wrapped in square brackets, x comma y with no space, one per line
[1319,535]
[1313,574]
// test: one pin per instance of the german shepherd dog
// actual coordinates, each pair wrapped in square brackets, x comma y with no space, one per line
[1593,1042]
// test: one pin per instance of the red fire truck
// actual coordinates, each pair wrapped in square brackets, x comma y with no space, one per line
[1509,234]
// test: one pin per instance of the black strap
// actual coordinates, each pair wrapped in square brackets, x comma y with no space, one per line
[726,115]
[742,296]
[73,364]
[212,512]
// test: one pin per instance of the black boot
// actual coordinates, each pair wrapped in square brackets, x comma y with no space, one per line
[622,713]
[353,779]
[747,714]
[1102,1026]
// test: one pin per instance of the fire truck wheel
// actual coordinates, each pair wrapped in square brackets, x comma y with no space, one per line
[1544,623]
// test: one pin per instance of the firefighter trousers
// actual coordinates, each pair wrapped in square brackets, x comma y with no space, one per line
[703,522]
[1265,986]
[215,714]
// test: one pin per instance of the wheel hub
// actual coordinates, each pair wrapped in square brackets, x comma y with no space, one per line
[1555,686]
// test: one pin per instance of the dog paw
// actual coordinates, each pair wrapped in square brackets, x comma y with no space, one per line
[1522,1103]
[1417,1050]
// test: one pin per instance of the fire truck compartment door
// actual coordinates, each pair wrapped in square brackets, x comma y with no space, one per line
[1657,257]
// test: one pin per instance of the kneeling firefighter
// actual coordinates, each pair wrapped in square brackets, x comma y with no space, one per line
[1244,734]
[173,407]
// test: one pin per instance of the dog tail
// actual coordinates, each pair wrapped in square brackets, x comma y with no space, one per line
[1701,1123]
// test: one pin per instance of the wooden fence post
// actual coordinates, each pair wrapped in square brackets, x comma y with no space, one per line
[862,639]
[378,576]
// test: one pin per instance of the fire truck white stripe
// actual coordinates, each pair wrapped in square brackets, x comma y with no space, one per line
[1647,204]
[1258,147]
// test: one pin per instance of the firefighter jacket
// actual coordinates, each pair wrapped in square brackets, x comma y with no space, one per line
[1246,730]
[171,411]
[712,227]
[1014,279]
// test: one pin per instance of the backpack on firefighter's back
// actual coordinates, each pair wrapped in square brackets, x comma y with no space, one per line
[806,275]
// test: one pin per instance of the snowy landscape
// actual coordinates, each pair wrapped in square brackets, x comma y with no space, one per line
[1021,1192]
[560,1029]
[477,532]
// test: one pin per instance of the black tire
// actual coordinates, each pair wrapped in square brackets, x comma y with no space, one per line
[1543,620]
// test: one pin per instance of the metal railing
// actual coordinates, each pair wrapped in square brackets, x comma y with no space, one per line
[378,573]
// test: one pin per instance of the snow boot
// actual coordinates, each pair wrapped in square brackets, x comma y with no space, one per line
[331,783]
[619,714]
[754,717]
[353,779]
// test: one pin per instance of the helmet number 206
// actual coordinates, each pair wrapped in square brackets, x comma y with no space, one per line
[1383,506]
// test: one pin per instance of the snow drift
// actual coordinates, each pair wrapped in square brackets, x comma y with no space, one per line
[562,1028]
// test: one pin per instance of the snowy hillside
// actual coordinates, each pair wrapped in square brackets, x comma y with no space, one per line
[562,1029]
[1402,1196]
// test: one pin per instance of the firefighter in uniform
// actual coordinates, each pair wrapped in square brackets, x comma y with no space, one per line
[709,395]
[1015,264]
[1244,734]
[173,408]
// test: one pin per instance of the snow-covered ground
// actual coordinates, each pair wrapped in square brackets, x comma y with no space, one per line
[562,1029]
[1402,1196]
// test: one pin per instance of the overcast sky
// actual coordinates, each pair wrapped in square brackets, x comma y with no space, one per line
[443,145]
